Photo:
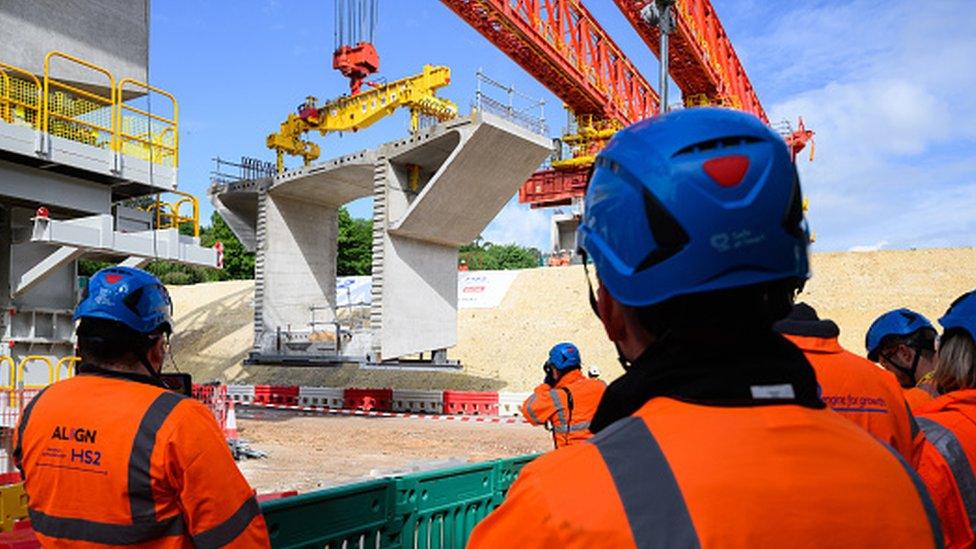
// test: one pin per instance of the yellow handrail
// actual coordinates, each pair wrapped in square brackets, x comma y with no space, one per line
[21,368]
[111,102]
[13,370]
[8,98]
[71,360]
[171,125]
[173,219]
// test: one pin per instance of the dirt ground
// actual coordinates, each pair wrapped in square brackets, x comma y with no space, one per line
[503,348]
[309,453]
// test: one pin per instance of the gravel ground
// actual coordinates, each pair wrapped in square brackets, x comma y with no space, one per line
[308,453]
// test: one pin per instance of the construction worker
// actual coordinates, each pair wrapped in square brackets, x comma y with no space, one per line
[111,457]
[851,385]
[903,342]
[948,461]
[715,434]
[566,400]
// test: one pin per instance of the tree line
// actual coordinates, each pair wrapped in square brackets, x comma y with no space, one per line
[354,257]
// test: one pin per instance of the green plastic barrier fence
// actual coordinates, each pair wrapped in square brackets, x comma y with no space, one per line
[429,510]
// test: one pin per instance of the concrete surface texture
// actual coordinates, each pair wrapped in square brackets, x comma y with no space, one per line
[299,267]
[468,170]
[109,33]
[503,348]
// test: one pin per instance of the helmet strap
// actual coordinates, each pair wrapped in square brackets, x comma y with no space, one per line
[624,362]
[144,359]
[910,372]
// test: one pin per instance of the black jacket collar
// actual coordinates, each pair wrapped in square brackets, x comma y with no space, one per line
[91,369]
[759,370]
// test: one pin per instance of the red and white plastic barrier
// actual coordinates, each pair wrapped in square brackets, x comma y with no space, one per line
[328,397]
[425,402]
[509,403]
[384,402]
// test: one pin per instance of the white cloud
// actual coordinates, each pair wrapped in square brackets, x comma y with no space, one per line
[519,224]
[869,247]
[891,105]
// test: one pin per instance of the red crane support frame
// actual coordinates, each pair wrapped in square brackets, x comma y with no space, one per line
[703,62]
[563,46]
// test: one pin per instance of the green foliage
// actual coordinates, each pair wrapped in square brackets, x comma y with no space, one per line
[238,262]
[88,267]
[481,255]
[355,245]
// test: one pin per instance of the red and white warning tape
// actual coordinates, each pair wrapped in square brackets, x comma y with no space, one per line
[363,413]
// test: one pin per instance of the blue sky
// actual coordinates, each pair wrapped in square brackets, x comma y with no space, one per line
[887,87]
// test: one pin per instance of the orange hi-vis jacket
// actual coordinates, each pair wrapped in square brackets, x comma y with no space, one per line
[568,407]
[113,459]
[948,463]
[917,396]
[677,474]
[862,392]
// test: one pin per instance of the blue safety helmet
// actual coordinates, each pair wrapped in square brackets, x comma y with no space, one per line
[564,356]
[961,315]
[900,322]
[693,201]
[130,296]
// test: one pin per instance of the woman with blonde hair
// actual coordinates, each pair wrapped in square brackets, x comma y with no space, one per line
[949,423]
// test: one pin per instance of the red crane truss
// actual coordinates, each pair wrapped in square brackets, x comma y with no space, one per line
[703,62]
[564,47]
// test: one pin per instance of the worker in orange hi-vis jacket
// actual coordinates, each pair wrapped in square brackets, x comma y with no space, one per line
[851,385]
[948,462]
[903,342]
[715,435]
[566,401]
[111,456]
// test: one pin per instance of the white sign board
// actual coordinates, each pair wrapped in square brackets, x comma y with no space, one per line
[476,289]
[483,289]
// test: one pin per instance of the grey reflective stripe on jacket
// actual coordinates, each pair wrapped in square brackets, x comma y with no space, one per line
[923,493]
[145,525]
[574,428]
[227,531]
[945,441]
[655,507]
[560,414]
[528,409]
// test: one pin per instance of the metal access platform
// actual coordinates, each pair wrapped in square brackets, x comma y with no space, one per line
[88,169]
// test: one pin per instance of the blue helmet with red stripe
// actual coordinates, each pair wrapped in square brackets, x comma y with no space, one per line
[564,356]
[130,296]
[961,315]
[696,200]
[899,322]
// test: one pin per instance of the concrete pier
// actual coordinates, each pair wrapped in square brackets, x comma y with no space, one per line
[432,192]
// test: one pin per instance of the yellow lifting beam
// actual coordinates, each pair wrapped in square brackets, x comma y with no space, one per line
[355,112]
[591,135]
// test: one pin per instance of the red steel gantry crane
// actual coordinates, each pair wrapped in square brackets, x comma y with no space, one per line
[563,46]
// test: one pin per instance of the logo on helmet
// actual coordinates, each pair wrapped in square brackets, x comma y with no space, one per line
[725,242]
[113,278]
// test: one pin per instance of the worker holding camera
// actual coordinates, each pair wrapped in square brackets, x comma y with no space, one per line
[566,400]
